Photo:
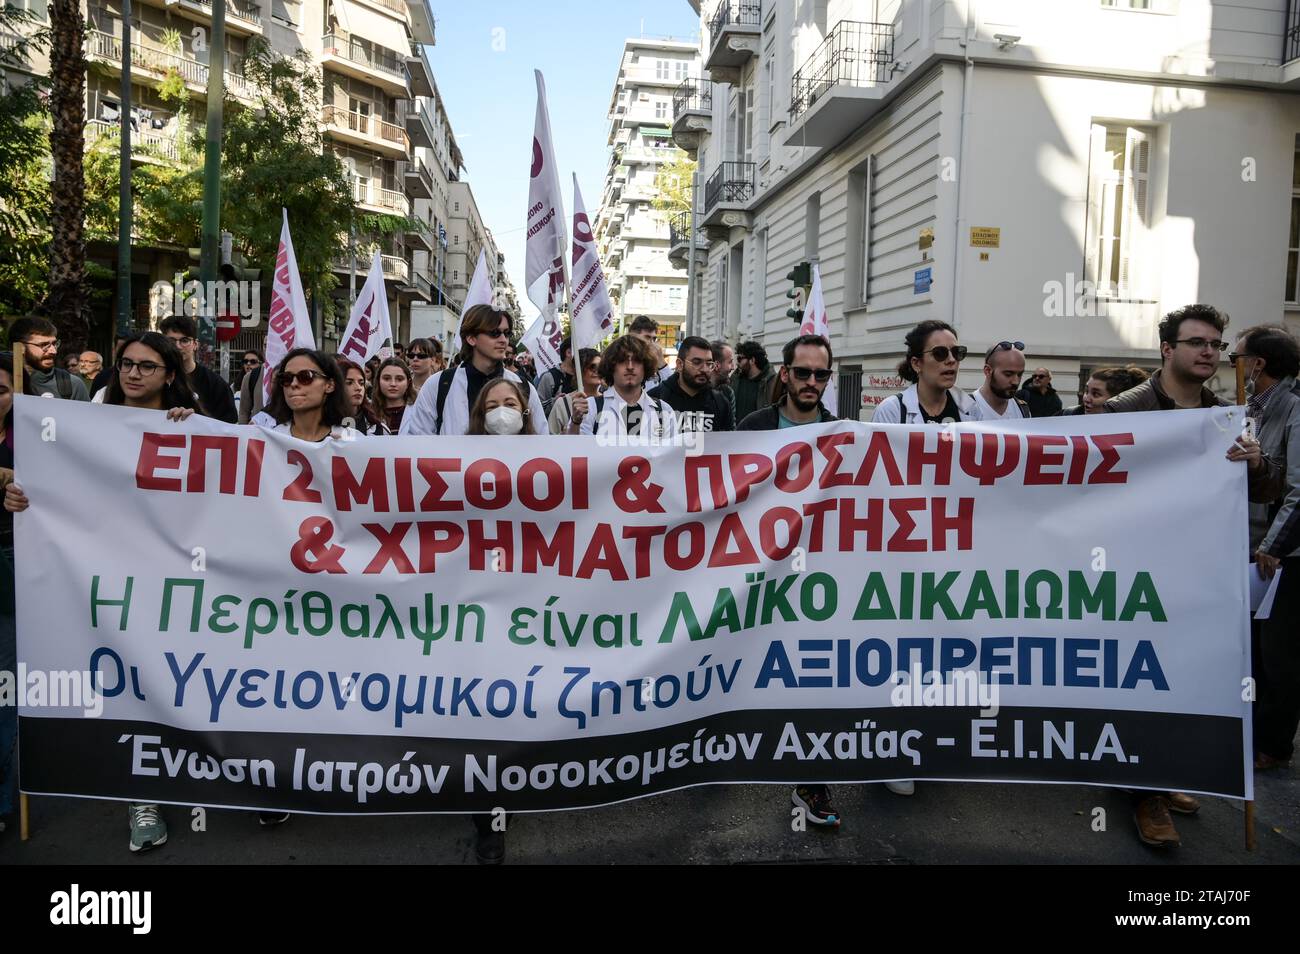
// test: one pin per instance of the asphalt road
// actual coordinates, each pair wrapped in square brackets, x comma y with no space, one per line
[943,823]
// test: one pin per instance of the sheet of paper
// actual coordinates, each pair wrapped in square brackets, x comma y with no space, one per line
[1266,605]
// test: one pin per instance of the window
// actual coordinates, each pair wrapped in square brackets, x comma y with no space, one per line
[455,239]
[1293,242]
[812,226]
[455,274]
[858,255]
[661,69]
[721,294]
[1118,208]
[682,69]
[661,109]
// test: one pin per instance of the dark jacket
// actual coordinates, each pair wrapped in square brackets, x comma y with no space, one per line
[1041,405]
[214,394]
[751,395]
[1265,485]
[768,418]
[1275,528]
[706,411]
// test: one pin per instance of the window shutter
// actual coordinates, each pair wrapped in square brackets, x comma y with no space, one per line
[1097,171]
[1137,158]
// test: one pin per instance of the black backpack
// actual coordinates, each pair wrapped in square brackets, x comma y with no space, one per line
[444,388]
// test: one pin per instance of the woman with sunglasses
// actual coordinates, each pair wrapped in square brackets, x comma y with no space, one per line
[364,418]
[394,392]
[423,355]
[310,402]
[569,409]
[150,375]
[933,357]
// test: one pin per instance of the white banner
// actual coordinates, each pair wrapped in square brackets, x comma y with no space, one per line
[550,622]
[590,313]
[369,326]
[545,241]
[288,325]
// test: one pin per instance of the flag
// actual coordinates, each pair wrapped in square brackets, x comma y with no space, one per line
[288,325]
[369,325]
[545,241]
[532,340]
[481,292]
[815,322]
[590,313]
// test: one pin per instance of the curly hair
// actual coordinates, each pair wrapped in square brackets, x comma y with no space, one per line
[1118,380]
[625,348]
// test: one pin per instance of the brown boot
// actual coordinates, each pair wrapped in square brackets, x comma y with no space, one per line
[1183,804]
[1154,825]
[1266,763]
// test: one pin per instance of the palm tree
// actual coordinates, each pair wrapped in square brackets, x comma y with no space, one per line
[67,302]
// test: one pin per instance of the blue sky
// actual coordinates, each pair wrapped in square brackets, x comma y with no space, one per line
[490,95]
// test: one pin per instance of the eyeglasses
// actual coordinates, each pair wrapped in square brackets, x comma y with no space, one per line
[146,368]
[43,345]
[1200,344]
[942,352]
[1233,356]
[304,378]
[803,374]
[185,341]
[700,362]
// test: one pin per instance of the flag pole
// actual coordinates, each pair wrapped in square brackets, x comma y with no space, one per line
[20,359]
[1240,370]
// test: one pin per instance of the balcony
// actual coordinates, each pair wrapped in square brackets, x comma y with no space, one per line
[1291,45]
[420,72]
[419,183]
[154,65]
[734,34]
[362,129]
[147,146]
[842,85]
[395,268]
[642,76]
[420,234]
[242,18]
[419,125]
[692,114]
[373,198]
[356,58]
[679,247]
[726,193]
[420,17]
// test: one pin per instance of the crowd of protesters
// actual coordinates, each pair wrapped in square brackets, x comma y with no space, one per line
[629,390]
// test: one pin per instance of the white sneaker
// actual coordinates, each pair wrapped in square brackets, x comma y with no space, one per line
[905,787]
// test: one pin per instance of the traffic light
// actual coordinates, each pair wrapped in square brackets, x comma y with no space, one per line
[801,278]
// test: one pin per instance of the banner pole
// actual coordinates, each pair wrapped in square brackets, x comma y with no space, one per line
[1240,370]
[20,360]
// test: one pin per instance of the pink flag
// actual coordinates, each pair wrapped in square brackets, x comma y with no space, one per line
[590,312]
[545,242]
[369,326]
[288,325]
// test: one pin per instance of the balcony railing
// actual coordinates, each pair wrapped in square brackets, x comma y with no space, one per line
[395,267]
[417,168]
[235,9]
[370,194]
[354,51]
[694,94]
[143,142]
[679,229]
[735,12]
[397,6]
[1291,36]
[853,54]
[731,182]
[108,48]
[365,125]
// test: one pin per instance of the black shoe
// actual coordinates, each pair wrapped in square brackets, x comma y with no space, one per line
[491,847]
[815,800]
[271,819]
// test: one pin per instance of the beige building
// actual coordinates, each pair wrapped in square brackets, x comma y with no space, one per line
[381,114]
[632,237]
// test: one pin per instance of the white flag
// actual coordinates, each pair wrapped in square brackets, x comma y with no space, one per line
[590,313]
[545,241]
[815,322]
[288,325]
[369,326]
[544,358]
[482,291]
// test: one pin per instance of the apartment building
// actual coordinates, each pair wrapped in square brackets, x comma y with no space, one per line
[632,236]
[381,113]
[1059,173]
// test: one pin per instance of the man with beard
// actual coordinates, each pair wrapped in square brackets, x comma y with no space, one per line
[1004,366]
[699,407]
[805,371]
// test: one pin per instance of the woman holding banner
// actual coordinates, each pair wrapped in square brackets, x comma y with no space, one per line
[150,374]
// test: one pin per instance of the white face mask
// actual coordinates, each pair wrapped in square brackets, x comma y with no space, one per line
[504,420]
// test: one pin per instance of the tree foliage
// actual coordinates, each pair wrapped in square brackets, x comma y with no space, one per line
[673,184]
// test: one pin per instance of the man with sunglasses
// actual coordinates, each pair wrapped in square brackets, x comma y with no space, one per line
[1191,341]
[1039,394]
[214,394]
[689,392]
[1004,366]
[41,342]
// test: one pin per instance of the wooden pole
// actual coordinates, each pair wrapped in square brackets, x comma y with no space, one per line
[1240,370]
[20,361]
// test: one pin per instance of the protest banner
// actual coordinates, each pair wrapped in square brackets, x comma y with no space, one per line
[400,625]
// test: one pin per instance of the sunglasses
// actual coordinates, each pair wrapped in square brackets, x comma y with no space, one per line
[803,374]
[304,378]
[942,352]
[495,333]
[418,354]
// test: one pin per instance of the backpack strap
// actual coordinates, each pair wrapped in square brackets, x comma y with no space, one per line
[902,409]
[444,388]
[600,406]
